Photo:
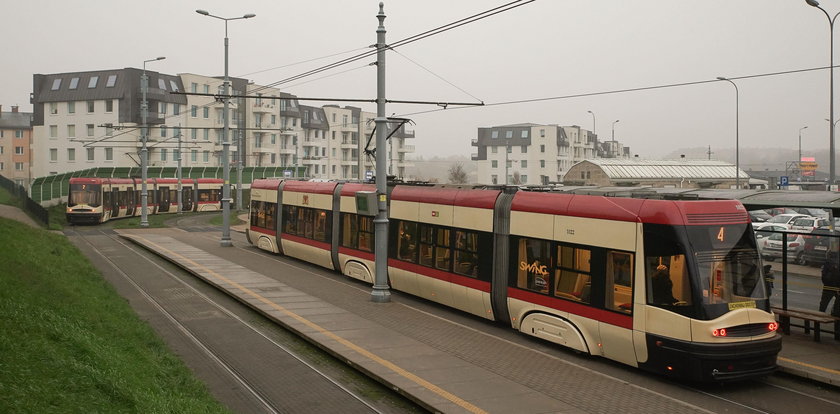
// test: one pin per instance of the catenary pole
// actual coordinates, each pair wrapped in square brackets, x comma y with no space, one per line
[381,292]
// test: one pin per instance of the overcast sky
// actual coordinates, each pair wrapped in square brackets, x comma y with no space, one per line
[548,48]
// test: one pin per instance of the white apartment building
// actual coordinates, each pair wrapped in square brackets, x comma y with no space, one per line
[90,119]
[534,154]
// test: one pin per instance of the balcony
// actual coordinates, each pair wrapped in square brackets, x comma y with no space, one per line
[265,107]
[474,142]
[406,148]
[474,156]
[349,144]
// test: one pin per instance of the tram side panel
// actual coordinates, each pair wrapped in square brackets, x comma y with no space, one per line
[307,217]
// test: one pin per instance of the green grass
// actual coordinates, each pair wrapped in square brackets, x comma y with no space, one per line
[70,343]
[7,198]
[234,219]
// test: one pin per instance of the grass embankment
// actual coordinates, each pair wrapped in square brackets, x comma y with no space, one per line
[70,343]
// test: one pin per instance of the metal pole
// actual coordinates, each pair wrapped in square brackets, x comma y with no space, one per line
[832,155]
[381,292]
[226,242]
[144,151]
[239,165]
[613,129]
[799,161]
[737,130]
[593,121]
[180,189]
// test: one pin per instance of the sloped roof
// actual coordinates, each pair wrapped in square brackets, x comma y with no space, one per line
[16,120]
[635,169]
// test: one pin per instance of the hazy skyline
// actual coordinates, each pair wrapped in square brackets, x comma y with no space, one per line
[544,49]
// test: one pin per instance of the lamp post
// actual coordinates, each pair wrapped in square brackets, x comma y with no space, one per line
[831,161]
[799,161]
[593,121]
[144,151]
[613,129]
[225,242]
[737,129]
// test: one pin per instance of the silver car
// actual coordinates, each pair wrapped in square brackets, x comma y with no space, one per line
[772,248]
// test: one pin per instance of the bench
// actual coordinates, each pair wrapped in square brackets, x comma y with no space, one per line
[807,317]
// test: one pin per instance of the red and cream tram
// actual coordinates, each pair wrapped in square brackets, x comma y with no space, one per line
[97,200]
[673,287]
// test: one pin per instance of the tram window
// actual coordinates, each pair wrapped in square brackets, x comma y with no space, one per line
[466,253]
[290,216]
[442,251]
[256,208]
[533,262]
[407,241]
[349,231]
[619,288]
[307,217]
[572,279]
[667,280]
[427,234]
[84,194]
[321,230]
[366,233]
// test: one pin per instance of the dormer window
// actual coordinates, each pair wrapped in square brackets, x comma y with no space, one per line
[93,81]
[112,80]
[74,83]
[56,84]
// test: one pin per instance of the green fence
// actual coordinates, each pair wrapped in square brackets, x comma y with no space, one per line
[52,188]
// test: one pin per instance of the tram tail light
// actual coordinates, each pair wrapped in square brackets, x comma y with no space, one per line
[772,326]
[719,332]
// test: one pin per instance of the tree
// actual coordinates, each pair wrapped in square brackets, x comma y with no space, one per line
[457,175]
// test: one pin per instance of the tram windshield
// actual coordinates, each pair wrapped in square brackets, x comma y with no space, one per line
[89,194]
[705,271]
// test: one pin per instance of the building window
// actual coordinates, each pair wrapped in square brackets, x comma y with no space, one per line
[93,81]
[206,156]
[194,87]
[494,134]
[74,83]
[90,154]
[56,84]
[90,106]
[523,149]
[509,134]
[54,108]
[162,108]
[109,154]
[494,164]
[18,133]
[194,155]
[112,80]
[176,155]
[194,111]
[71,154]
[542,163]
[163,131]
[53,131]
[206,134]
[71,107]
[494,149]
[206,88]
[524,163]
[542,148]
[18,150]
[71,131]
[109,131]
[53,154]
[18,166]
[176,109]
[109,105]
[542,133]
[525,134]
[161,84]
[163,154]
[206,112]
[194,134]
[1,165]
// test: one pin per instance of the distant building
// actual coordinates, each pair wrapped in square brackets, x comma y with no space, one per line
[683,173]
[536,154]
[15,146]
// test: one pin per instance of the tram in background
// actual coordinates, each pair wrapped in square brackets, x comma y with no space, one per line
[97,200]
[673,287]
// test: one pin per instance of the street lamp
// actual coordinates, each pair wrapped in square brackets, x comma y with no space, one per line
[799,161]
[831,161]
[737,131]
[593,121]
[613,129]
[144,152]
[225,242]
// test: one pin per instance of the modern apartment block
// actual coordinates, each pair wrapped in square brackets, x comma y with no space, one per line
[534,154]
[15,141]
[87,119]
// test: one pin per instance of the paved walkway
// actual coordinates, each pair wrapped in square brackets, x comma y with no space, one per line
[14,213]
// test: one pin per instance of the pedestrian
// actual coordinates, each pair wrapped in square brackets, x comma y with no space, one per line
[831,283]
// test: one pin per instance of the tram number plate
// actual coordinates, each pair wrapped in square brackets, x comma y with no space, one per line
[742,305]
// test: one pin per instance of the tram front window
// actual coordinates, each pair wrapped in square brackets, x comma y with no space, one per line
[84,194]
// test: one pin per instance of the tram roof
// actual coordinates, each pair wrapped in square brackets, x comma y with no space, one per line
[751,199]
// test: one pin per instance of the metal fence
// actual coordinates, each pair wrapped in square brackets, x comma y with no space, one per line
[51,189]
[30,205]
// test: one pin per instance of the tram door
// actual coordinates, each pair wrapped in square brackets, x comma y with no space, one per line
[188,200]
[115,202]
[130,203]
[163,199]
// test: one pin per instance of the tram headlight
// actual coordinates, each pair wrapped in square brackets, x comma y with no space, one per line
[719,332]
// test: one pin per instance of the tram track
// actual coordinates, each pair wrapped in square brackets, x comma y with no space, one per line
[209,350]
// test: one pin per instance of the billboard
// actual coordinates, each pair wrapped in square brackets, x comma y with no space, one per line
[808,166]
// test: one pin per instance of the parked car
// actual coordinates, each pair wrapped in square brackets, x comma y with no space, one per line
[815,212]
[807,224]
[785,219]
[772,248]
[763,230]
[817,245]
[781,210]
[759,216]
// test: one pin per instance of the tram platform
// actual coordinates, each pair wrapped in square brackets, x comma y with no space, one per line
[439,379]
